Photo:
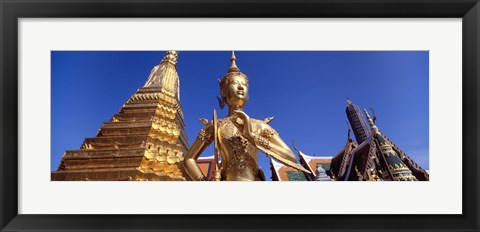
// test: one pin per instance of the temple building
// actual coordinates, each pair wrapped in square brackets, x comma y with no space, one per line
[146,140]
[373,157]
[355,117]
[319,166]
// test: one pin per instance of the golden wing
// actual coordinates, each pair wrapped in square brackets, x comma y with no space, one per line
[268,120]
[204,121]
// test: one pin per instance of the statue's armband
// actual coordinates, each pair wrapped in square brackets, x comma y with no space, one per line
[263,139]
[268,132]
[206,134]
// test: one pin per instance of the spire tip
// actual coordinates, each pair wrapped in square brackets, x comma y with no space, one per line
[233,66]
[171,56]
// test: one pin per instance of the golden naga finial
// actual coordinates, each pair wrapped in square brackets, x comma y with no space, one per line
[233,67]
[370,121]
[171,57]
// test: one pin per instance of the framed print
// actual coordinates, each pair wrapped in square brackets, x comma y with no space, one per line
[440,39]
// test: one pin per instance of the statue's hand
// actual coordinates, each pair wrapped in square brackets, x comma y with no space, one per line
[247,125]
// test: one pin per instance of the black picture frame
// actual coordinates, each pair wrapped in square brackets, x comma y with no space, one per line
[11,11]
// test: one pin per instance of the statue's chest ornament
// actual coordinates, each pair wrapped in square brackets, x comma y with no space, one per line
[239,145]
[241,158]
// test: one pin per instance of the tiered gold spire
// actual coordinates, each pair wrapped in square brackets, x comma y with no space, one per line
[146,140]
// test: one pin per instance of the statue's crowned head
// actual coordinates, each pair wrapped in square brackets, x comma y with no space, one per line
[234,86]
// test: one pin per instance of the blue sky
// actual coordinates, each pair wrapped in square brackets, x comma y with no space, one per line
[306,91]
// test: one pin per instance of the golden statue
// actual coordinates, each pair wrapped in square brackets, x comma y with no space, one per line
[237,137]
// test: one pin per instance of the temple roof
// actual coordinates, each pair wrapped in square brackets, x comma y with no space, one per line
[276,166]
[282,172]
[311,162]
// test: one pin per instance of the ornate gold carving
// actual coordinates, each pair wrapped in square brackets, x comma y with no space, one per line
[372,175]
[241,159]
[268,133]
[205,135]
[261,141]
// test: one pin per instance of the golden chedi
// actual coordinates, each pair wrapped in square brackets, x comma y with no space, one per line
[146,140]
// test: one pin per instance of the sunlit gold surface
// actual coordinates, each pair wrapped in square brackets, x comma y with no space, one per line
[239,136]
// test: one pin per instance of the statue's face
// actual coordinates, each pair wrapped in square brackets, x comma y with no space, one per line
[236,93]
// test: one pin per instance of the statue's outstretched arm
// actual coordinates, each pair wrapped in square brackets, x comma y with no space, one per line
[202,141]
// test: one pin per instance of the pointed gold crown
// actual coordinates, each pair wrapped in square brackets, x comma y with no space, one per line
[232,71]
[233,67]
